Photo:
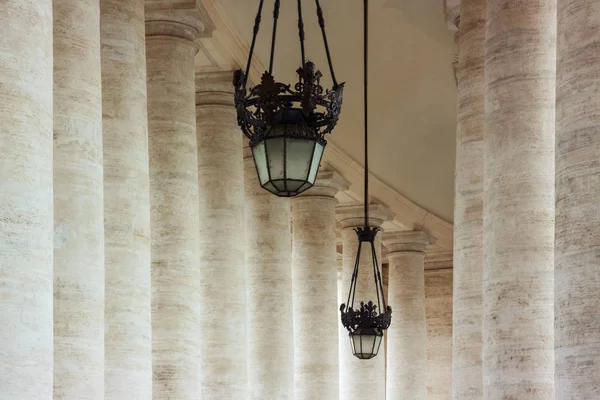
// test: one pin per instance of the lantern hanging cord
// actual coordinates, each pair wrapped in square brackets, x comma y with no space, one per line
[366,109]
[301,32]
[254,35]
[322,25]
[275,19]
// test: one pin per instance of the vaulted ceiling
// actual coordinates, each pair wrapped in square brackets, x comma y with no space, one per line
[412,86]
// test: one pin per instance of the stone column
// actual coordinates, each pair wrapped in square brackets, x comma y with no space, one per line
[577,267]
[518,284]
[26,215]
[438,310]
[223,361]
[127,339]
[78,202]
[176,335]
[360,379]
[314,282]
[269,265]
[407,337]
[468,204]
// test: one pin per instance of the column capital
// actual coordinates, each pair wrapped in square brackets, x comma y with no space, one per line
[214,88]
[187,19]
[352,216]
[327,184]
[406,241]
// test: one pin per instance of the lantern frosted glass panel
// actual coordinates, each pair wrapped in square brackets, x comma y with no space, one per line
[365,343]
[287,165]
[275,148]
[260,160]
[299,156]
[316,161]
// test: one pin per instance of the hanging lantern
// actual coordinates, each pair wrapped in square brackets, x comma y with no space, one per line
[287,125]
[367,323]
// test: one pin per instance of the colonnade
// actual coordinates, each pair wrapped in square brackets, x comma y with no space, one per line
[526,254]
[140,258]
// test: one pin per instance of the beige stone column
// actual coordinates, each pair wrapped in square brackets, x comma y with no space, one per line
[269,266]
[577,266]
[223,360]
[518,284]
[468,204]
[438,309]
[360,379]
[407,338]
[314,282]
[127,339]
[78,202]
[26,211]
[176,335]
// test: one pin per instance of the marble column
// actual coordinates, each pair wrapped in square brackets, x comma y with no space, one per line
[223,361]
[176,335]
[438,310]
[468,204]
[314,289]
[518,284]
[269,266]
[360,379]
[577,264]
[78,202]
[127,338]
[407,338]
[26,200]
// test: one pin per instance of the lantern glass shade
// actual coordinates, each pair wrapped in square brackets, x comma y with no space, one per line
[287,159]
[365,342]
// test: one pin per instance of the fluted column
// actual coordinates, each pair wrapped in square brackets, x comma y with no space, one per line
[26,198]
[407,338]
[127,338]
[78,202]
[577,267]
[223,360]
[360,379]
[467,380]
[314,282]
[269,266]
[176,335]
[518,284]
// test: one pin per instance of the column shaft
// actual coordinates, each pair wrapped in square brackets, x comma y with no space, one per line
[577,267]
[314,281]
[26,200]
[128,330]
[468,205]
[268,258]
[78,202]
[518,284]
[407,338]
[360,379]
[223,361]
[174,215]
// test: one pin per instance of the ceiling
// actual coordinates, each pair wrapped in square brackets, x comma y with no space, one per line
[412,92]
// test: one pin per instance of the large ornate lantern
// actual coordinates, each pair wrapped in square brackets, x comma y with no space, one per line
[287,125]
[367,323]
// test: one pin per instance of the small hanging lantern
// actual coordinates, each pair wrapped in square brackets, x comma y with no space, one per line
[366,324]
[287,125]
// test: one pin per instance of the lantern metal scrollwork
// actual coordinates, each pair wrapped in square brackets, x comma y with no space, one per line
[366,324]
[287,125]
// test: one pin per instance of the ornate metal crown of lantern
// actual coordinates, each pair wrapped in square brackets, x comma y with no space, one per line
[287,125]
[367,324]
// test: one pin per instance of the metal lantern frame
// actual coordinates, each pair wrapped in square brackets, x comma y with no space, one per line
[366,324]
[291,119]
